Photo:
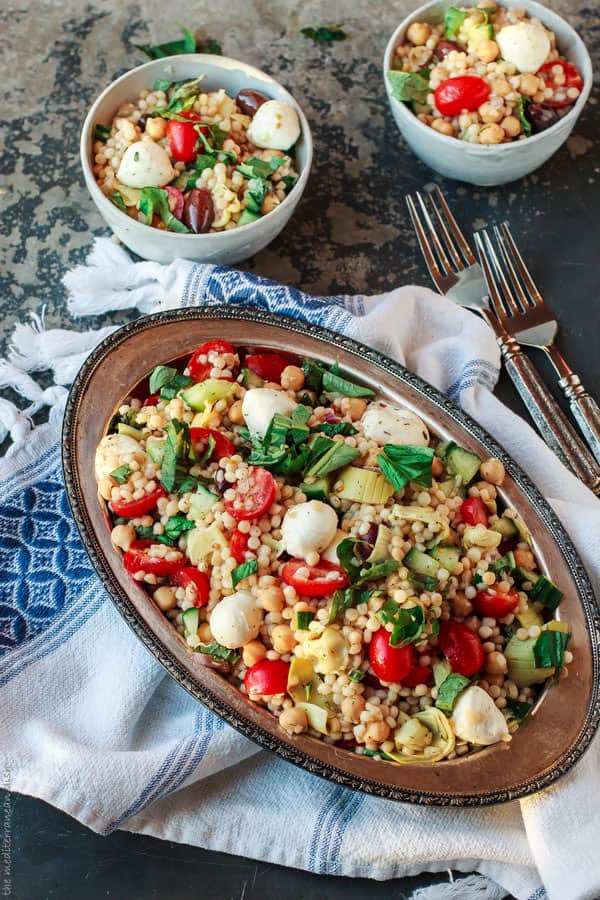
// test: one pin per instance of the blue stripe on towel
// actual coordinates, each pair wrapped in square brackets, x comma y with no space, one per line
[340,806]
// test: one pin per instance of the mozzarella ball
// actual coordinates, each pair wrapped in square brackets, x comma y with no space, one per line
[387,424]
[477,719]
[145,164]
[275,126]
[259,407]
[236,619]
[525,45]
[330,552]
[308,528]
[111,451]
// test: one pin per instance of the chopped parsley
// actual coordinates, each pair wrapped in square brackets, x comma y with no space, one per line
[324,33]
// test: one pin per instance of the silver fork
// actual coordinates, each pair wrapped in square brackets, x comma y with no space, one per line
[526,316]
[456,273]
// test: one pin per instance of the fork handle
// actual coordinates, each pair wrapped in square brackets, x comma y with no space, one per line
[548,417]
[586,411]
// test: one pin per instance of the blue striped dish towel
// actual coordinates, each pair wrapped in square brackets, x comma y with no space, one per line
[92,724]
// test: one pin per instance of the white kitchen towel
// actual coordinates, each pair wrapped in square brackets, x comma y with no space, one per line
[92,724]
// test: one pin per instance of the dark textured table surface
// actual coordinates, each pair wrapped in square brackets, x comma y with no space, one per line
[351,233]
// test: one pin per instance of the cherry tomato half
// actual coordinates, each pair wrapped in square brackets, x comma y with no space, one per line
[572,80]
[238,544]
[133,509]
[257,500]
[152,400]
[494,604]
[418,675]
[199,440]
[191,577]
[314,581]
[269,365]
[267,677]
[139,559]
[200,370]
[473,512]
[466,92]
[389,663]
[183,138]
[461,647]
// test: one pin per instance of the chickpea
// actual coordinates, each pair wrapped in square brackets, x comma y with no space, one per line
[272,599]
[511,126]
[283,639]
[492,470]
[235,413]
[418,33]
[487,50]
[292,378]
[528,84]
[165,598]
[461,607]
[491,134]
[377,732]
[293,720]
[156,128]
[253,652]
[204,633]
[122,536]
[486,491]
[269,203]
[501,87]
[436,466]
[525,559]
[490,113]
[495,663]
[353,406]
[443,127]
[352,708]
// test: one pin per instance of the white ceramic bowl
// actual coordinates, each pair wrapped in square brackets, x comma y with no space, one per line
[477,163]
[224,247]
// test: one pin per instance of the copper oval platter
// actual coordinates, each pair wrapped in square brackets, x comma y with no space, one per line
[566,716]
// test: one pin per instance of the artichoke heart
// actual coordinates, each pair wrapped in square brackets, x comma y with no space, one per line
[423,514]
[316,715]
[433,749]
[329,651]
[480,536]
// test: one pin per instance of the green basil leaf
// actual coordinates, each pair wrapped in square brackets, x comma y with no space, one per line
[177,448]
[324,33]
[332,428]
[160,376]
[218,653]
[453,21]
[176,526]
[504,565]
[408,624]
[303,619]
[289,182]
[326,456]
[518,709]
[356,570]
[172,48]
[313,375]
[449,690]
[156,200]
[549,649]
[347,599]
[377,570]
[121,474]
[403,463]
[423,582]
[161,85]
[102,132]
[356,675]
[409,86]
[260,168]
[250,567]
[117,198]
[179,382]
[187,485]
[522,104]
[332,383]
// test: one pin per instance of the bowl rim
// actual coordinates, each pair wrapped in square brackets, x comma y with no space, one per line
[483,149]
[102,201]
[243,721]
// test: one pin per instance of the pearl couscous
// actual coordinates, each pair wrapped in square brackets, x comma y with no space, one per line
[341,566]
[487,75]
[189,161]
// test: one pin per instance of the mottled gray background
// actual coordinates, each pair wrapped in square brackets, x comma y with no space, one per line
[350,233]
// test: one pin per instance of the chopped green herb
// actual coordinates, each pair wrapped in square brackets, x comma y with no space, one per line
[218,653]
[160,376]
[549,649]
[449,690]
[522,104]
[258,188]
[102,132]
[326,456]
[518,709]
[289,182]
[422,582]
[324,33]
[347,599]
[260,168]
[504,565]
[161,85]
[333,428]
[250,567]
[335,386]
[187,485]
[177,449]
[403,463]
[172,48]
[409,86]
[179,382]
[374,754]
[117,198]
[408,624]
[176,526]
[453,21]
[356,675]
[121,474]
[303,619]
[313,375]
[376,571]
[156,201]
[356,570]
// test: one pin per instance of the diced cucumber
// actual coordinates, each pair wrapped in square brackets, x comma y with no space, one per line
[447,557]
[521,576]
[202,540]
[381,548]
[546,593]
[506,527]
[530,616]
[317,490]
[191,620]
[209,391]
[420,108]
[442,449]
[251,380]
[130,431]
[476,33]
[421,563]
[463,463]
[201,502]
[155,448]
[247,217]
[364,486]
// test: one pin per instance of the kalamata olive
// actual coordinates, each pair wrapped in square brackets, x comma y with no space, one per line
[443,48]
[221,483]
[540,116]
[198,211]
[365,545]
[249,101]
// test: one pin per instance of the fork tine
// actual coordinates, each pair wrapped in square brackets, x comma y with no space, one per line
[495,296]
[430,260]
[512,274]
[523,270]
[434,235]
[458,263]
[509,301]
[454,227]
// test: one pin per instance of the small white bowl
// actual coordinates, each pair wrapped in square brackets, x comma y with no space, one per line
[223,247]
[499,163]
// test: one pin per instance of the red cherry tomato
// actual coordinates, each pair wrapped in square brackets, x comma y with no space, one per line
[466,92]
[494,604]
[572,80]
[417,675]
[314,581]
[269,365]
[461,647]
[175,200]
[473,512]
[191,577]
[139,559]
[151,401]
[133,509]
[238,544]
[267,677]
[200,370]
[183,138]
[258,498]
[389,663]
[199,440]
